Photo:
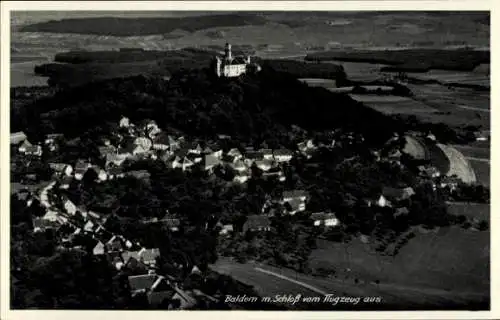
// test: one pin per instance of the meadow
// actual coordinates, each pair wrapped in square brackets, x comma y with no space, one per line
[451,259]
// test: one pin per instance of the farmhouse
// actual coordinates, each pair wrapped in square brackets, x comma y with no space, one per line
[324,219]
[257,223]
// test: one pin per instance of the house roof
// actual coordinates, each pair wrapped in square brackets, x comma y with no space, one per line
[141,282]
[255,155]
[295,194]
[295,204]
[256,221]
[115,170]
[106,150]
[322,215]
[239,165]
[211,161]
[171,222]
[33,149]
[149,254]
[163,138]
[282,152]
[263,163]
[234,152]
[17,137]
[58,166]
[126,255]
[265,151]
[139,174]
[398,193]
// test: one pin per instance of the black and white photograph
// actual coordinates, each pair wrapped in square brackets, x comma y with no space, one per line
[282,160]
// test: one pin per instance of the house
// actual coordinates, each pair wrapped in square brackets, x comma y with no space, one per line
[282,155]
[381,202]
[69,206]
[151,128]
[160,293]
[186,164]
[65,182]
[144,142]
[89,226]
[274,174]
[195,148]
[172,223]
[98,249]
[28,149]
[324,219]
[148,256]
[226,229]
[401,211]
[264,165]
[429,172]
[115,173]
[235,154]
[41,224]
[210,162]
[239,166]
[24,145]
[63,168]
[161,141]
[138,174]
[17,137]
[81,168]
[257,223]
[398,194]
[141,283]
[124,122]
[267,154]
[295,205]
[115,243]
[253,156]
[182,300]
[104,151]
[241,177]
[306,146]
[116,159]
[295,194]
[52,138]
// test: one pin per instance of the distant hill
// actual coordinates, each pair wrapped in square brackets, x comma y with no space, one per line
[124,27]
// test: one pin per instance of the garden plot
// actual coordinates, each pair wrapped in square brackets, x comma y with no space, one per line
[393,104]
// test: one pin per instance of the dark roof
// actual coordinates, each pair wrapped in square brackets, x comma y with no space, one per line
[322,216]
[398,193]
[171,222]
[140,282]
[282,152]
[239,60]
[295,194]
[256,221]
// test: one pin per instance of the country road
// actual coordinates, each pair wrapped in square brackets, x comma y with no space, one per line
[272,281]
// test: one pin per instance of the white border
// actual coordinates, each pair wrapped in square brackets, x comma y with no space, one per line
[404,5]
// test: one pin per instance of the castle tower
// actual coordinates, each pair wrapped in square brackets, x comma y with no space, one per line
[229,55]
[218,66]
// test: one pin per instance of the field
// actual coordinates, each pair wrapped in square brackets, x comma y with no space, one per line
[458,78]
[459,165]
[416,60]
[359,71]
[482,170]
[451,259]
[394,104]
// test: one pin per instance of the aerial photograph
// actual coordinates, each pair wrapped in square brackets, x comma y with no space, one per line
[245,160]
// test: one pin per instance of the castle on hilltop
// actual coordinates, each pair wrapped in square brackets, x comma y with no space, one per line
[229,66]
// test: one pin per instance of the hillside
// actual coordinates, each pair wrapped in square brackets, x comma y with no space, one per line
[253,108]
[125,27]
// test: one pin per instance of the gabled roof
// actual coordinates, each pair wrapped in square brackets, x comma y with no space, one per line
[282,152]
[126,255]
[149,254]
[398,193]
[295,194]
[57,166]
[17,137]
[265,151]
[295,204]
[211,161]
[141,282]
[322,215]
[234,152]
[256,221]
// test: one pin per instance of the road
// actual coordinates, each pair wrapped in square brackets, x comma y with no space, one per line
[271,281]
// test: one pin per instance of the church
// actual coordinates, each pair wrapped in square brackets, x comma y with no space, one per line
[229,66]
